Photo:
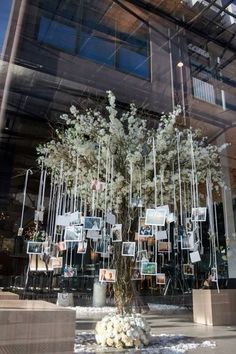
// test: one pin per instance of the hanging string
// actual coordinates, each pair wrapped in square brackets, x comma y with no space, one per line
[112,176]
[49,205]
[71,252]
[58,200]
[155,171]
[179,174]
[106,181]
[161,180]
[43,189]
[40,186]
[145,182]
[131,181]
[225,213]
[216,225]
[98,173]
[76,183]
[24,196]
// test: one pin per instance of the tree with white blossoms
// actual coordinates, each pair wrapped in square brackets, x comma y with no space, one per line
[120,151]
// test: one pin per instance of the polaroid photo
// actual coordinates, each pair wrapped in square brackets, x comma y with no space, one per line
[128,249]
[187,241]
[214,275]
[107,275]
[148,268]
[82,247]
[93,234]
[143,229]
[188,269]
[188,225]
[199,214]
[34,247]
[97,186]
[195,257]
[70,272]
[63,220]
[164,246]
[116,233]
[75,218]
[155,217]
[160,278]
[171,218]
[57,262]
[142,256]
[73,233]
[20,231]
[92,223]
[136,274]
[101,246]
[164,207]
[61,246]
[38,215]
[161,235]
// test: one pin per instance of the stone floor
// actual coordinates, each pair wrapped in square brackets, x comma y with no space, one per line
[177,323]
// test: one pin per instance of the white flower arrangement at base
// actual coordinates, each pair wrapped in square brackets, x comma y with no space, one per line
[123,331]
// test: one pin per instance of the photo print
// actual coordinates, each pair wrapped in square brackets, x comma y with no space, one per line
[187,241]
[161,278]
[34,247]
[195,257]
[116,233]
[175,238]
[61,246]
[128,249]
[57,262]
[107,275]
[92,223]
[199,214]
[97,186]
[164,246]
[143,229]
[82,247]
[214,276]
[155,217]
[73,233]
[136,274]
[142,256]
[93,234]
[188,269]
[189,225]
[110,219]
[161,235]
[148,268]
[75,218]
[70,272]
[101,246]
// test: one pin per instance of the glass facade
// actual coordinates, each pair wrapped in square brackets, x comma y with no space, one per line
[68,52]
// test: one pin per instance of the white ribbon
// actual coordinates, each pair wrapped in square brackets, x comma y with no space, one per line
[24,196]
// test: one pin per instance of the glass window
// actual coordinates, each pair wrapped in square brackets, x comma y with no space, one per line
[133,62]
[57,34]
[5,8]
[97,48]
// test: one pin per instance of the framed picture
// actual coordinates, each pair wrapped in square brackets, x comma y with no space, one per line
[107,275]
[198,214]
[143,229]
[116,233]
[128,249]
[73,233]
[82,247]
[148,268]
[188,269]
[142,256]
[155,217]
[92,223]
[164,246]
[136,274]
[34,247]
[161,278]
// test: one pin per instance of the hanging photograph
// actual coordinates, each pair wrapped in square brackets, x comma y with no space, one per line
[75,218]
[161,235]
[107,275]
[199,214]
[136,274]
[101,246]
[155,217]
[214,277]
[128,249]
[175,238]
[34,247]
[195,257]
[61,246]
[73,233]
[110,219]
[187,241]
[57,262]
[70,272]
[93,234]
[97,186]
[161,278]
[116,233]
[188,269]
[148,268]
[38,216]
[142,256]
[82,247]
[171,218]
[144,230]
[164,246]
[92,223]
[63,220]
